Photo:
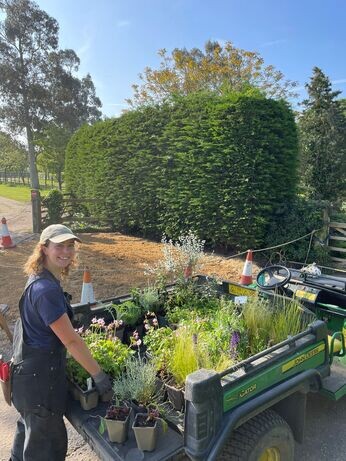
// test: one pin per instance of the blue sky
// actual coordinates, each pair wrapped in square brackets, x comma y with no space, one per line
[117,39]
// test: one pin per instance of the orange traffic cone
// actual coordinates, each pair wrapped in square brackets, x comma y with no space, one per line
[246,276]
[6,241]
[87,288]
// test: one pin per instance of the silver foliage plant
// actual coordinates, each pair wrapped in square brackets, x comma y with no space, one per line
[185,253]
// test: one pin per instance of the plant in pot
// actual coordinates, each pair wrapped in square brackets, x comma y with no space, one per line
[137,385]
[180,259]
[111,355]
[130,314]
[116,421]
[81,385]
[145,427]
[148,298]
[186,357]
[158,343]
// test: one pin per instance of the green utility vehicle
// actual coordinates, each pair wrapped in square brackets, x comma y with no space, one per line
[256,409]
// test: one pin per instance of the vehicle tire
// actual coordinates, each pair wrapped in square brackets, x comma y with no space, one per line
[266,437]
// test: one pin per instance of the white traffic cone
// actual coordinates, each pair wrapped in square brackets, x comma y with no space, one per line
[246,276]
[87,289]
[6,241]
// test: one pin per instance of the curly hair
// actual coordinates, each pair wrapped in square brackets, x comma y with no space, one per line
[35,263]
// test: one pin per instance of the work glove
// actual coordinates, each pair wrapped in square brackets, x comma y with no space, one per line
[102,382]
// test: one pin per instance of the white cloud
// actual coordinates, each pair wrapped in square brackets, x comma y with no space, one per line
[120,104]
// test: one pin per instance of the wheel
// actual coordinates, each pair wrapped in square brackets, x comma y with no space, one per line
[266,437]
[273,277]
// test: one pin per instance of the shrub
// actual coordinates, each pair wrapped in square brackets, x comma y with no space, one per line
[220,166]
[55,206]
[293,220]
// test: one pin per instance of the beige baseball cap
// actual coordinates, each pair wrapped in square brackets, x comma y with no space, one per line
[57,233]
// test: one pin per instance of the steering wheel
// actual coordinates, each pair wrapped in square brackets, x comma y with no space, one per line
[273,277]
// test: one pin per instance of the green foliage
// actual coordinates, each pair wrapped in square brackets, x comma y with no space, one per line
[204,163]
[295,219]
[158,342]
[147,298]
[55,206]
[288,320]
[76,373]
[128,312]
[185,357]
[137,383]
[38,82]
[322,129]
[110,354]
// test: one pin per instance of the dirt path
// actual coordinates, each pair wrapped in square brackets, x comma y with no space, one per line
[17,214]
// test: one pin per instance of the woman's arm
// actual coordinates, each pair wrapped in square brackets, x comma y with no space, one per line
[74,344]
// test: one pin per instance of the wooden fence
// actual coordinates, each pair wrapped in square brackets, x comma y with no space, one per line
[336,239]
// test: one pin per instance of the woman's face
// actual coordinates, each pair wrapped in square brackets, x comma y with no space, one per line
[59,255]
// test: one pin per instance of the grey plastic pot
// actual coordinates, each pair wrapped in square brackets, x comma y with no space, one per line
[146,437]
[88,399]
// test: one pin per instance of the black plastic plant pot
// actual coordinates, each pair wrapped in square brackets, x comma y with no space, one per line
[176,397]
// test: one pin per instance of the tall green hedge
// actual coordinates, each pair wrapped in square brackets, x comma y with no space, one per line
[221,166]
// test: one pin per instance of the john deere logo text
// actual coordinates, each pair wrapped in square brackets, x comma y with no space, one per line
[302,358]
[247,391]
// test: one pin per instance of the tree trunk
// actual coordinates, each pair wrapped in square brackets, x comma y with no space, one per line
[32,160]
[59,175]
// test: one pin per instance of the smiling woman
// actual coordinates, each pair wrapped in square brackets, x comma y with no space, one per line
[41,337]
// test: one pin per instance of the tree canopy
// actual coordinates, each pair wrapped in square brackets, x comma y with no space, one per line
[218,69]
[322,128]
[37,80]
[13,155]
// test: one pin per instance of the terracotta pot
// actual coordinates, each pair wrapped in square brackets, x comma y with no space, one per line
[146,436]
[118,430]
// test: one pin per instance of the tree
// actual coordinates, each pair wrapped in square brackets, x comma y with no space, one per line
[219,69]
[13,156]
[52,144]
[37,85]
[322,128]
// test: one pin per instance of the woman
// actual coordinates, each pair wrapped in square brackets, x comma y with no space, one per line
[41,337]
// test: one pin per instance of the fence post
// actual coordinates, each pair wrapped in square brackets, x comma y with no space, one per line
[36,210]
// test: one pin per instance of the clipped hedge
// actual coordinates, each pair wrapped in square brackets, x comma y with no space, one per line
[296,219]
[221,166]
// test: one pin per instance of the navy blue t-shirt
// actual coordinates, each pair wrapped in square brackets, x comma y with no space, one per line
[44,303]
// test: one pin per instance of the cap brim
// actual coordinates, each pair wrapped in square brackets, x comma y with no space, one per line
[63,237]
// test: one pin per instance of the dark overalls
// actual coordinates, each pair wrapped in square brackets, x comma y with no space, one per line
[39,392]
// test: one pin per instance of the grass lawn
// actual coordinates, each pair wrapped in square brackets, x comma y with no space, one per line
[17,192]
